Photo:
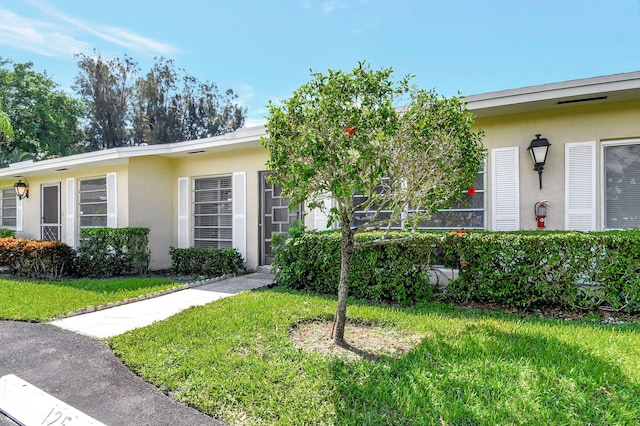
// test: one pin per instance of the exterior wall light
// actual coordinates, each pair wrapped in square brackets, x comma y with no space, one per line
[21,188]
[539,148]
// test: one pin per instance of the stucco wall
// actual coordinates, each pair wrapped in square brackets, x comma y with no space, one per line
[31,206]
[251,161]
[150,198]
[564,124]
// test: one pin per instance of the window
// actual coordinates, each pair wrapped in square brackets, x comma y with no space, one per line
[8,208]
[622,186]
[468,212]
[93,202]
[213,214]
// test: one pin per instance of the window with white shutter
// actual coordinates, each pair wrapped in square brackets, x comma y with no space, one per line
[505,187]
[580,186]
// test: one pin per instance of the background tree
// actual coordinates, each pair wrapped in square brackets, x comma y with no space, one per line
[6,130]
[386,148]
[45,120]
[165,105]
[172,106]
[105,86]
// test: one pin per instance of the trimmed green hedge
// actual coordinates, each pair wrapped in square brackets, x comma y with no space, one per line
[396,271]
[195,261]
[523,269]
[36,259]
[108,252]
[571,269]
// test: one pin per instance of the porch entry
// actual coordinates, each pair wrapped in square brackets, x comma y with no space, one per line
[275,216]
[50,224]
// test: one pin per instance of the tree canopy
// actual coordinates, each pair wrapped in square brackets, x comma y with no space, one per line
[45,120]
[384,149]
[162,106]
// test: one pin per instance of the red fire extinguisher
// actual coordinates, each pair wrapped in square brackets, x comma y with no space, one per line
[541,213]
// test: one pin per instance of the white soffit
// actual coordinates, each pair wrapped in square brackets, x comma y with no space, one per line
[610,88]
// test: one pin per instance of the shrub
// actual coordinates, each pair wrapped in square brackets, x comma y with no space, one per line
[397,270]
[107,252]
[37,259]
[7,233]
[195,261]
[523,269]
[570,269]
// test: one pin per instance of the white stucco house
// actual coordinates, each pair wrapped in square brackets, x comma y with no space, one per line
[213,193]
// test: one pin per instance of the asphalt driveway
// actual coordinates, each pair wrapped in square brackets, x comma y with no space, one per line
[84,373]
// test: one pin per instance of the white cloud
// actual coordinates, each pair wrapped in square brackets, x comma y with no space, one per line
[63,34]
[37,36]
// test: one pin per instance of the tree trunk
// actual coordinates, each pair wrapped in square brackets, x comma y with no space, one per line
[348,244]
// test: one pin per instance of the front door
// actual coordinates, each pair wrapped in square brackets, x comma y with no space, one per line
[275,216]
[50,224]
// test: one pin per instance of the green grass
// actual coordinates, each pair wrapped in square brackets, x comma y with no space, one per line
[44,300]
[233,359]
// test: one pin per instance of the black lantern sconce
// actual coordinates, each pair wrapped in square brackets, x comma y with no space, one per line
[21,188]
[539,148]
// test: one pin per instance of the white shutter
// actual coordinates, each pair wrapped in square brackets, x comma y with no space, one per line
[19,215]
[183,212]
[239,197]
[70,215]
[321,219]
[580,186]
[505,187]
[112,200]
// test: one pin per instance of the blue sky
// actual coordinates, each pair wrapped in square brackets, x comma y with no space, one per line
[264,49]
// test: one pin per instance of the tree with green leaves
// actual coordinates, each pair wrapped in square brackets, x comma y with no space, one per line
[373,145]
[170,105]
[6,129]
[165,105]
[45,120]
[105,86]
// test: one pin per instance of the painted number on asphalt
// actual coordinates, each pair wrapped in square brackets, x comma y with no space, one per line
[56,417]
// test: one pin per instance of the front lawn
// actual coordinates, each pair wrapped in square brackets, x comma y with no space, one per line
[46,300]
[235,359]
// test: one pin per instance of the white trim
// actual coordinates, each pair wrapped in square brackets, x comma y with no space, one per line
[19,214]
[239,208]
[505,189]
[603,145]
[183,212]
[70,213]
[112,200]
[321,216]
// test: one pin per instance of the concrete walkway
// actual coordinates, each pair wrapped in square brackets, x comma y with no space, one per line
[113,321]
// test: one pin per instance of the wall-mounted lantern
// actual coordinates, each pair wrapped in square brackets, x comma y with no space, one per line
[539,148]
[22,189]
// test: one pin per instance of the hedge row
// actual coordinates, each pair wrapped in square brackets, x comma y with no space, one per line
[524,269]
[397,271]
[108,252]
[36,259]
[571,269]
[195,261]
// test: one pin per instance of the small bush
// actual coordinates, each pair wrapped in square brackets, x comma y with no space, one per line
[37,259]
[195,261]
[108,252]
[7,233]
